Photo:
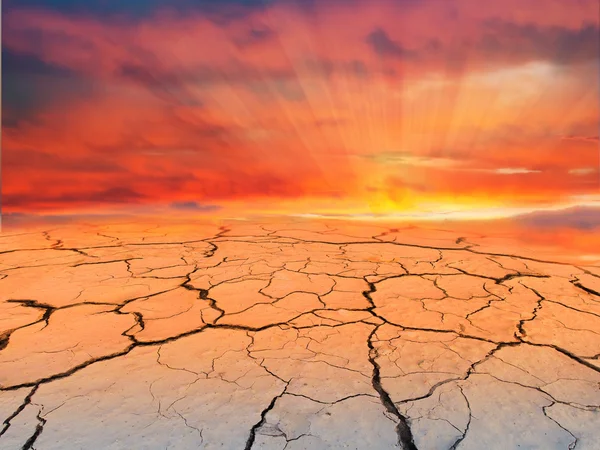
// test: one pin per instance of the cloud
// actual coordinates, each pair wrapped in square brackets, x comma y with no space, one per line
[29,84]
[25,160]
[583,171]
[184,47]
[582,218]
[268,101]
[457,163]
[14,62]
[170,86]
[514,171]
[221,10]
[194,206]
[592,139]
[408,159]
[383,45]
[17,219]
[526,42]
[255,36]
[117,194]
[112,195]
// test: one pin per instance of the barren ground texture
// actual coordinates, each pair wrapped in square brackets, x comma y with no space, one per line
[293,335]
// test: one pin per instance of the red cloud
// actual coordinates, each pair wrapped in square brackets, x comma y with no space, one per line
[277,103]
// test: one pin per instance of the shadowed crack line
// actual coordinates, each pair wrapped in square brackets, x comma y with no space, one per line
[48,309]
[405,437]
[400,244]
[521,324]
[403,430]
[575,441]
[67,373]
[263,419]
[203,295]
[464,435]
[38,430]
[26,401]
[585,288]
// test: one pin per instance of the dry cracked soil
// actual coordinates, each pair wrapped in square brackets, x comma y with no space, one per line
[293,335]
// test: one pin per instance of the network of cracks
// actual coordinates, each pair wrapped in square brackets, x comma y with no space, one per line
[293,335]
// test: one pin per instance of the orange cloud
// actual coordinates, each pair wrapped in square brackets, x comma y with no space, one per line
[333,102]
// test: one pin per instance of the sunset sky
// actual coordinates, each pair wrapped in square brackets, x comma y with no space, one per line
[299,106]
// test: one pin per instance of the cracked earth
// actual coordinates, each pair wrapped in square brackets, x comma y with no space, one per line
[293,335]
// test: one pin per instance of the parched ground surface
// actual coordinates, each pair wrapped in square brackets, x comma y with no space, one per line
[293,335]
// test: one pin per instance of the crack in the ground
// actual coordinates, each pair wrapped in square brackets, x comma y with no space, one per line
[26,401]
[405,437]
[263,419]
[36,434]
[312,268]
[464,434]
[573,444]
[585,288]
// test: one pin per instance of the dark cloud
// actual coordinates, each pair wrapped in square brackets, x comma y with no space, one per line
[194,206]
[20,159]
[327,67]
[171,86]
[260,34]
[30,84]
[255,36]
[533,42]
[290,90]
[194,136]
[219,10]
[13,220]
[120,194]
[175,85]
[581,218]
[384,46]
[9,122]
[498,42]
[591,139]
[18,63]
[113,195]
